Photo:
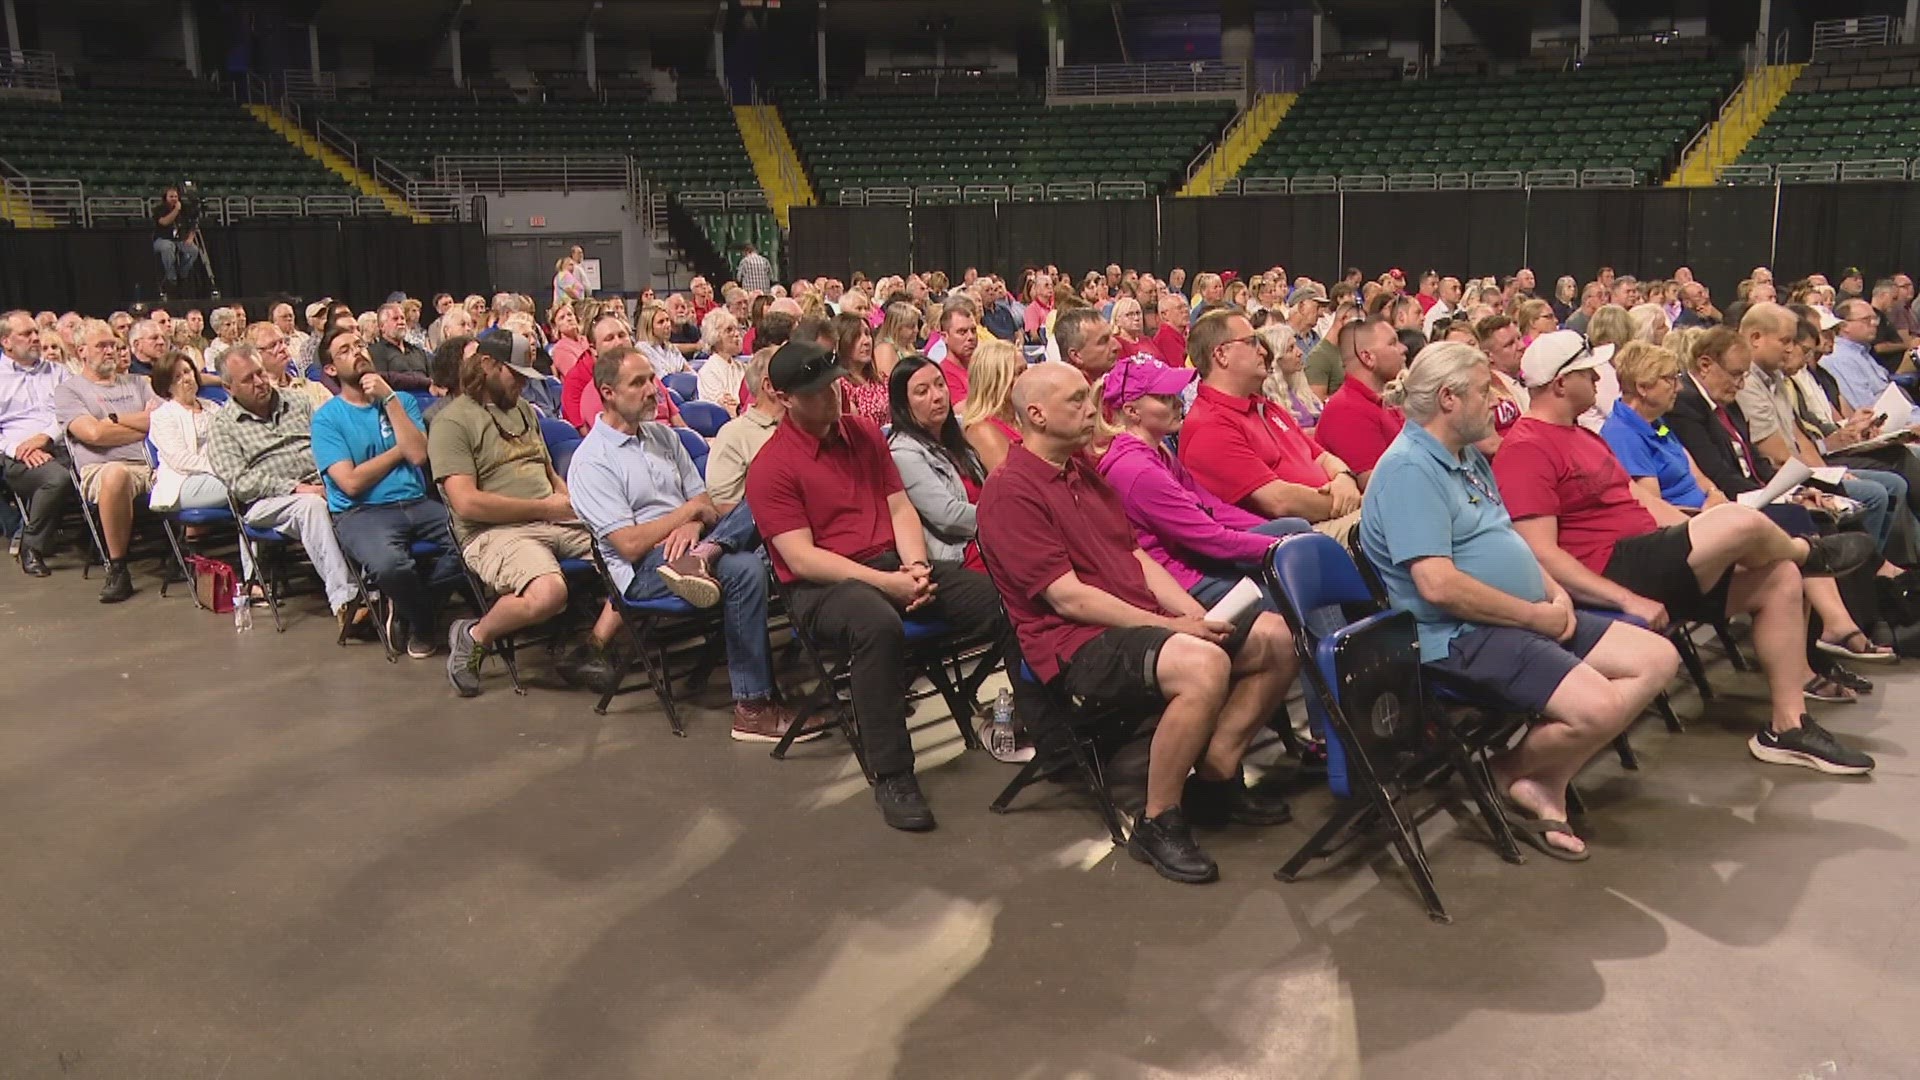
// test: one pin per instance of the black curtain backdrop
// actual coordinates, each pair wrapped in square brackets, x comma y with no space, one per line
[1721,233]
[361,262]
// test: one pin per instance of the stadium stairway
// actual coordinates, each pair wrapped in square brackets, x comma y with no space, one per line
[346,170]
[1746,113]
[775,163]
[21,214]
[1243,140]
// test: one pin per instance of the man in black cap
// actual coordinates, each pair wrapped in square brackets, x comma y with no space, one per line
[848,544]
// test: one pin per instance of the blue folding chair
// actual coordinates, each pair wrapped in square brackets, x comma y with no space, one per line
[90,512]
[376,603]
[216,394]
[704,417]
[258,543]
[175,523]
[684,383]
[562,440]
[508,646]
[664,631]
[1365,688]
[697,449]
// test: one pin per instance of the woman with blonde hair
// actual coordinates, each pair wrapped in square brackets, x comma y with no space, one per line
[569,284]
[1650,322]
[654,338]
[1534,317]
[986,417]
[1286,385]
[1129,326]
[898,336]
[569,339]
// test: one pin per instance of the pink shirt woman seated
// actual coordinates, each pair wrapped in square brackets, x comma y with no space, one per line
[1207,545]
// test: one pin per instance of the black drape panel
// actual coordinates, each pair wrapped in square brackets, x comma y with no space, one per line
[952,238]
[1251,233]
[836,240]
[1824,228]
[1729,232]
[1078,236]
[97,270]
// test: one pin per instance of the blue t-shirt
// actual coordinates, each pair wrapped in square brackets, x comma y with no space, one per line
[355,433]
[1652,450]
[1424,502]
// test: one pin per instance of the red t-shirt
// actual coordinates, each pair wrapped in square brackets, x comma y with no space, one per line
[1037,523]
[1356,426]
[1235,446]
[1426,302]
[1171,344]
[1565,471]
[1129,349]
[837,487]
[957,381]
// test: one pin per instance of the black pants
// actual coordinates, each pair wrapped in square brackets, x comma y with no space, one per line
[854,619]
[47,491]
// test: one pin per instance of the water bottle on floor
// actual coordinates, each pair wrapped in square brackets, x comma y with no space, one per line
[242,610]
[1000,736]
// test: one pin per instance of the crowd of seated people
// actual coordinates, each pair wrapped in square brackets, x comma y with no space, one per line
[1549,483]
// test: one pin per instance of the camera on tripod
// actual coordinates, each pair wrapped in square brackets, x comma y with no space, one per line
[190,208]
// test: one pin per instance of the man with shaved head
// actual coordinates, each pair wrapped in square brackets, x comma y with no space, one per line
[1097,614]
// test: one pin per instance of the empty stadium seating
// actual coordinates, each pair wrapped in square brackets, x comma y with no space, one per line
[1852,109]
[688,145]
[908,141]
[134,140]
[1634,117]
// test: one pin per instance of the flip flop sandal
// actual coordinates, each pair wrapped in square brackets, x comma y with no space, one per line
[1850,680]
[1851,648]
[1533,831]
[1820,688]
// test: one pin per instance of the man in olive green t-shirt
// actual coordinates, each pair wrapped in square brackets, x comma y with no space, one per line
[1323,366]
[511,515]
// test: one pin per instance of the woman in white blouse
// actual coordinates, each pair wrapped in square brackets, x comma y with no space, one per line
[179,429]
[721,375]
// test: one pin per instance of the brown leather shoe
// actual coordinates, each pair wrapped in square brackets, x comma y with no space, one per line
[688,578]
[764,721]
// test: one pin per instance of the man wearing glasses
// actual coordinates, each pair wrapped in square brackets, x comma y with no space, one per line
[1572,502]
[104,412]
[32,458]
[1248,450]
[511,515]
[1852,363]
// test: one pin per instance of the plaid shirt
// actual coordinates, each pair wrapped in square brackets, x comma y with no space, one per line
[259,458]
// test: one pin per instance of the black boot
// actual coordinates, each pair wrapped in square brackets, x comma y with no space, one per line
[119,584]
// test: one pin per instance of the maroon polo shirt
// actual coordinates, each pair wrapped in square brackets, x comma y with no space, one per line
[837,487]
[1038,522]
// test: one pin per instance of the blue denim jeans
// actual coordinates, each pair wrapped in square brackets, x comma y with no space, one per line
[380,538]
[1883,494]
[742,572]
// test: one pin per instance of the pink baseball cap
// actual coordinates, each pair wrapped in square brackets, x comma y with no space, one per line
[1133,379]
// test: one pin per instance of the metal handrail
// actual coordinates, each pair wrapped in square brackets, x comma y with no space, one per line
[536,172]
[1209,78]
[335,139]
[30,74]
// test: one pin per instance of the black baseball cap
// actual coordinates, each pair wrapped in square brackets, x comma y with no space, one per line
[801,366]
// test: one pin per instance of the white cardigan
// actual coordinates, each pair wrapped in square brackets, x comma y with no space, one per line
[180,435]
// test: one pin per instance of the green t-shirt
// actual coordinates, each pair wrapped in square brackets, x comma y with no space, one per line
[501,450]
[1323,365]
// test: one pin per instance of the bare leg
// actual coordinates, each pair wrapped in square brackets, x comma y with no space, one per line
[1262,672]
[1733,535]
[542,599]
[1620,676]
[605,626]
[1774,597]
[115,492]
[1824,596]
[1193,677]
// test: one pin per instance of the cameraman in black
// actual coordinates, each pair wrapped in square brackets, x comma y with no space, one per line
[176,235]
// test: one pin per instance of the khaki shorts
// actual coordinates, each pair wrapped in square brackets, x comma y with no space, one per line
[1340,528]
[90,475]
[508,558]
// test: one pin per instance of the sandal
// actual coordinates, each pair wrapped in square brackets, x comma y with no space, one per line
[1849,679]
[1533,831]
[1856,645]
[1821,688]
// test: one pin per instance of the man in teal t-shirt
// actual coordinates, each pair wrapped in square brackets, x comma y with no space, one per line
[370,444]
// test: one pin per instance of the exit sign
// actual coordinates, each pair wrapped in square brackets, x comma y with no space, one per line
[537,221]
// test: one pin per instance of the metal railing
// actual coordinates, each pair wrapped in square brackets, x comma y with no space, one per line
[1552,178]
[1741,105]
[1176,79]
[226,210]
[1437,181]
[300,84]
[1835,34]
[536,172]
[29,75]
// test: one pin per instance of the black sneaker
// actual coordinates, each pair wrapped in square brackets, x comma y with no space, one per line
[1809,746]
[119,584]
[1215,804]
[1839,554]
[586,665]
[1166,843]
[902,804]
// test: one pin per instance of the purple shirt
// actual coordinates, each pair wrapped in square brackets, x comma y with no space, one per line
[1176,518]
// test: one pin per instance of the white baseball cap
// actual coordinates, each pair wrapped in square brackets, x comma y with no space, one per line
[1558,353]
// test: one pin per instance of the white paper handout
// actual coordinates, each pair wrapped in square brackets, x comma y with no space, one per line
[1239,600]
[1791,475]
[1893,402]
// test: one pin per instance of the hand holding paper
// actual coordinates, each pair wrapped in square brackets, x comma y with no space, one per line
[1791,475]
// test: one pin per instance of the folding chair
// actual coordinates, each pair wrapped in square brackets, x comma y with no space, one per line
[684,383]
[89,513]
[661,629]
[376,603]
[697,449]
[704,417]
[933,652]
[257,542]
[1384,737]
[508,645]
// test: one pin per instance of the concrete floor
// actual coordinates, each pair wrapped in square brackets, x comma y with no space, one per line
[267,856]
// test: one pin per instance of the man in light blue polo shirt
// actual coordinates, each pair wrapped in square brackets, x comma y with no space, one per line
[1434,525]
[1861,378]
[369,444]
[661,534]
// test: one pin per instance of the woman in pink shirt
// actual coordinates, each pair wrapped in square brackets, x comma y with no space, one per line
[986,417]
[569,342]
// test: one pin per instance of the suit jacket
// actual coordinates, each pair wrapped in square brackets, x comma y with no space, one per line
[1705,437]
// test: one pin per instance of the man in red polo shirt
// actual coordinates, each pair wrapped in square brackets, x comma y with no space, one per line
[1356,426]
[1096,612]
[1248,450]
[848,544]
[960,330]
[1571,501]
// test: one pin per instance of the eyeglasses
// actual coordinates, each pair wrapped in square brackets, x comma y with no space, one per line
[1585,350]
